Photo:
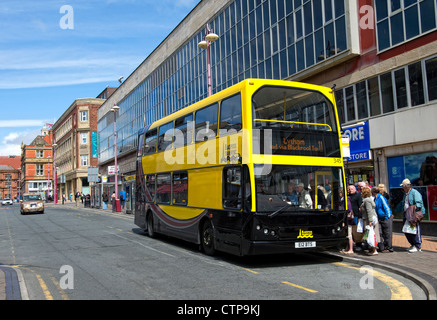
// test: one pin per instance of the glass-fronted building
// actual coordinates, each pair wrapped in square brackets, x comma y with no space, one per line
[381,57]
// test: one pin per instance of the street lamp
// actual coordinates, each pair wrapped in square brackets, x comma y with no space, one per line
[114,109]
[209,37]
[48,179]
[55,176]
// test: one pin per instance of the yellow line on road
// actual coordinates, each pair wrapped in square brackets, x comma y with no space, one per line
[44,287]
[398,290]
[299,287]
[254,272]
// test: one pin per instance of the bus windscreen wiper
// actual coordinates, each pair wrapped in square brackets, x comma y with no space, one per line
[274,214]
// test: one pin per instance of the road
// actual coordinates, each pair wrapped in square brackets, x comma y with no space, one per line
[85,254]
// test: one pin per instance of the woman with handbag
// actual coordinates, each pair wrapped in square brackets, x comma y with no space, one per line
[413,197]
[370,220]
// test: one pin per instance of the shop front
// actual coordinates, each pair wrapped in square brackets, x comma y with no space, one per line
[421,170]
[359,166]
[129,189]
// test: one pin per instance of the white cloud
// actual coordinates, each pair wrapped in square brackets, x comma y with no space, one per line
[21,123]
[11,144]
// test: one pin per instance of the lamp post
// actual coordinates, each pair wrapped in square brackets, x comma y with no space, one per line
[55,176]
[209,37]
[48,179]
[114,109]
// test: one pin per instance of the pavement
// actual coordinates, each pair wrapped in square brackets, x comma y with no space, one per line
[419,267]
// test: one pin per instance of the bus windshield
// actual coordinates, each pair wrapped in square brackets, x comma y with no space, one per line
[292,188]
[301,122]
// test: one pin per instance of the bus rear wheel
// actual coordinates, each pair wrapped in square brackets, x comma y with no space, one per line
[207,238]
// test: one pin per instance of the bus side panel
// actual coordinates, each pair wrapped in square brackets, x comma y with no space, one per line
[185,229]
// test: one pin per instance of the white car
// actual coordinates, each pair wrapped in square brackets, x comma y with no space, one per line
[6,201]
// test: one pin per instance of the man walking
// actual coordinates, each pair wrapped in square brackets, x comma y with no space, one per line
[412,197]
[385,219]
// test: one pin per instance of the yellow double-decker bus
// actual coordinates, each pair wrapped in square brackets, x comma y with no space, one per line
[254,169]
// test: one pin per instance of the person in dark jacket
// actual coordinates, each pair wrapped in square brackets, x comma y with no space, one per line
[356,201]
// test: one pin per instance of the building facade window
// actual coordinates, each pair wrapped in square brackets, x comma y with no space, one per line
[259,39]
[40,153]
[398,21]
[394,90]
[83,138]
[83,116]
[84,160]
[39,170]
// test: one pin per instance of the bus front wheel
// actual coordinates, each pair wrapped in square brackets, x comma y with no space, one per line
[207,238]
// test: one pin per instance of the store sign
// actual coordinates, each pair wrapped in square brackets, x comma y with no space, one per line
[111,170]
[359,142]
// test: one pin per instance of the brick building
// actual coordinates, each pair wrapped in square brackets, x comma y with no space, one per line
[37,164]
[10,171]
[75,137]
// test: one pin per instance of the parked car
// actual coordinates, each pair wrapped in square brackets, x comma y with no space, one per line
[7,201]
[31,202]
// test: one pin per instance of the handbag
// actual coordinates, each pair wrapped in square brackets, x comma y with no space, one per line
[350,215]
[409,228]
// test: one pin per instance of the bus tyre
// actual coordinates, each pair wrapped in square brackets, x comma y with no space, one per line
[151,233]
[207,238]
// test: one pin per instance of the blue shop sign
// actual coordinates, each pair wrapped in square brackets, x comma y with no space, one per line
[359,142]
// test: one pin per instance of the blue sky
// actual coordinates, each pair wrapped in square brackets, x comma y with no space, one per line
[44,67]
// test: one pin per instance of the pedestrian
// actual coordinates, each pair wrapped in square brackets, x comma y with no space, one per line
[370,217]
[113,201]
[383,191]
[64,198]
[105,200]
[356,201]
[122,198]
[77,198]
[412,197]
[350,220]
[385,220]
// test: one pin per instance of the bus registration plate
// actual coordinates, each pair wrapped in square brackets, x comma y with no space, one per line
[306,244]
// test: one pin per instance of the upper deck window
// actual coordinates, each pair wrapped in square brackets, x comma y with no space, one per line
[301,122]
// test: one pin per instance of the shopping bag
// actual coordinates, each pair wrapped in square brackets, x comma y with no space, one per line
[371,237]
[360,226]
[409,228]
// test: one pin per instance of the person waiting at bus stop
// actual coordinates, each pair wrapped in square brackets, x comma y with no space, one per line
[385,219]
[412,197]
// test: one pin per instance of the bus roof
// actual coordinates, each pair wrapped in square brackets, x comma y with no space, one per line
[230,91]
